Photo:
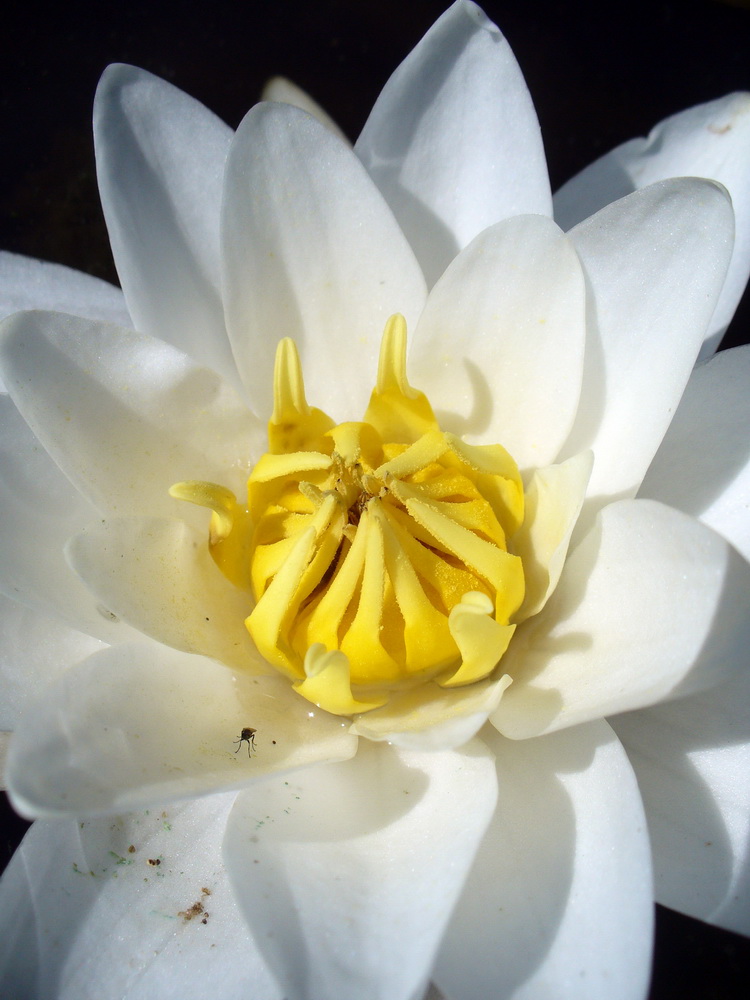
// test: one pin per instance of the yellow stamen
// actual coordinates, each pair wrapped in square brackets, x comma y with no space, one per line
[378,553]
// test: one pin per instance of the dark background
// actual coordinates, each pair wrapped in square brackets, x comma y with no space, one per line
[599,73]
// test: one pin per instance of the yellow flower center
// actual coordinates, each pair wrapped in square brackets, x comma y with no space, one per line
[376,551]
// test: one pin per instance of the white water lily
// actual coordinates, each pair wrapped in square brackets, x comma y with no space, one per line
[424,843]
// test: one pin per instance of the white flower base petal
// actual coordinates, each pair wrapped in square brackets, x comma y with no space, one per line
[160,159]
[34,651]
[692,760]
[141,724]
[133,907]
[655,263]
[158,575]
[499,346]
[311,251]
[358,866]
[166,418]
[703,464]
[453,141]
[710,140]
[41,510]
[559,900]
[651,604]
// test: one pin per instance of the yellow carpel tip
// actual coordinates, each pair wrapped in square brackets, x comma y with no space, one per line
[288,385]
[392,361]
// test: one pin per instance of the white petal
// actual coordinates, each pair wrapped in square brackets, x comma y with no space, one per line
[692,759]
[126,416]
[26,283]
[500,343]
[453,141]
[559,902]
[358,866]
[34,651]
[40,512]
[158,576]
[655,263]
[650,605]
[553,498]
[140,724]
[703,464]
[83,914]
[433,718]
[711,140]
[160,159]
[312,252]
[284,91]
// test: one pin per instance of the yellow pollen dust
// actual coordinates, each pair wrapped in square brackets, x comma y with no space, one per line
[376,551]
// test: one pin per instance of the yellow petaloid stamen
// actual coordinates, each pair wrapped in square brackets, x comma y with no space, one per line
[229,529]
[378,553]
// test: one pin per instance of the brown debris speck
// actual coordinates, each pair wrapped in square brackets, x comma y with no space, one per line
[154,862]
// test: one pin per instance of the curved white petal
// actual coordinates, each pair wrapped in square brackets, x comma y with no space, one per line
[559,902]
[26,283]
[34,651]
[158,576]
[710,140]
[285,91]
[655,263]
[84,914]
[160,159]
[41,510]
[453,141]
[703,463]
[692,759]
[311,252]
[431,717]
[499,347]
[124,415]
[140,724]
[358,866]
[650,605]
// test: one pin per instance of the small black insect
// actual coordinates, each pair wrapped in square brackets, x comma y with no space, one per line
[246,736]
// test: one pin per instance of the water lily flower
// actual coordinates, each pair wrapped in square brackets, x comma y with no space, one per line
[377,601]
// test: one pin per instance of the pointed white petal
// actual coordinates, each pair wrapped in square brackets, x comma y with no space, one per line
[711,140]
[655,263]
[141,724]
[500,343]
[692,759]
[453,141]
[84,914]
[284,91]
[124,415]
[559,902]
[358,866]
[703,464]
[34,651]
[160,163]
[40,511]
[158,576]
[311,252]
[650,605]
